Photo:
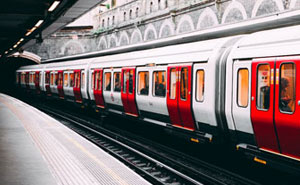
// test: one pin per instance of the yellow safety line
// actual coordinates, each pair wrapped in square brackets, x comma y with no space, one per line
[84,150]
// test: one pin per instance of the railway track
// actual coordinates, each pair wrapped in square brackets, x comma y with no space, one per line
[155,162]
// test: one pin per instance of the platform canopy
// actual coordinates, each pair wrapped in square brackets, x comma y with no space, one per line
[25,22]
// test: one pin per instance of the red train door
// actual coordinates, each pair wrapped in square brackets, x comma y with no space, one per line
[275,106]
[37,82]
[60,85]
[262,105]
[77,86]
[287,106]
[98,88]
[47,83]
[128,91]
[179,99]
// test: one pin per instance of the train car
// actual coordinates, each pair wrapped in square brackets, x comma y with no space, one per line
[31,79]
[173,86]
[263,96]
[67,80]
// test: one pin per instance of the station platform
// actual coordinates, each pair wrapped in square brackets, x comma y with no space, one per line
[36,149]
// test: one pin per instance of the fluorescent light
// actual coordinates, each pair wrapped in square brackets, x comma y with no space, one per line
[15,46]
[53,6]
[30,31]
[21,39]
[10,49]
[6,52]
[39,23]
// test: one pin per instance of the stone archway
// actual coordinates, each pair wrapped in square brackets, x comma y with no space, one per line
[150,33]
[185,24]
[263,7]
[208,18]
[234,12]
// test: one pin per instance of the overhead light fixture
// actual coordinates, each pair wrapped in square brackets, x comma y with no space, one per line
[30,31]
[53,6]
[10,49]
[39,23]
[16,45]
[21,40]
[6,52]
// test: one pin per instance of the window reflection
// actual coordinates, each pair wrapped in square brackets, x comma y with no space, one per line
[287,88]
[263,87]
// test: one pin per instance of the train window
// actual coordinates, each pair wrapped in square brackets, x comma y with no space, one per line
[56,78]
[93,80]
[71,79]
[243,87]
[200,85]
[287,87]
[60,79]
[82,80]
[52,79]
[173,80]
[159,83]
[263,87]
[99,80]
[107,81]
[143,87]
[40,78]
[47,78]
[66,79]
[130,86]
[117,82]
[30,78]
[184,83]
[125,77]
[77,79]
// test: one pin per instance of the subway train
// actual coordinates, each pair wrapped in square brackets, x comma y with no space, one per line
[243,90]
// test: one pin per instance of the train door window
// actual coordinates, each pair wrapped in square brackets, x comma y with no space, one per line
[60,79]
[130,86]
[243,87]
[200,85]
[30,78]
[51,79]
[159,86]
[56,79]
[184,83]
[77,82]
[143,87]
[287,88]
[99,80]
[263,87]
[82,80]
[66,79]
[173,80]
[36,78]
[40,78]
[125,77]
[107,81]
[71,79]
[93,80]
[117,82]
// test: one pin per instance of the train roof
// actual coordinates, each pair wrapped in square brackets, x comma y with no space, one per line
[269,43]
[191,52]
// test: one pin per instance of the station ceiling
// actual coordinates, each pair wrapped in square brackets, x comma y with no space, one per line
[25,22]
